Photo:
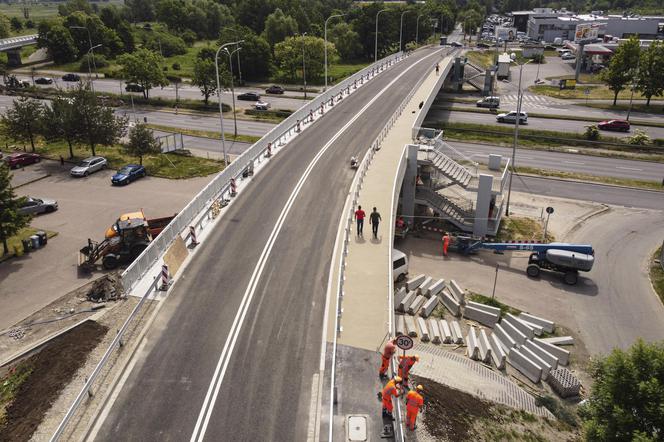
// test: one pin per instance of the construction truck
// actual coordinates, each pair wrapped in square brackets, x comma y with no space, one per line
[124,241]
[569,259]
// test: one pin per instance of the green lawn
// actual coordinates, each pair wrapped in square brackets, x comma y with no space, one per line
[617,181]
[188,60]
[656,107]
[596,93]
[482,59]
[15,244]
[206,133]
[337,72]
[487,300]
[43,10]
[521,229]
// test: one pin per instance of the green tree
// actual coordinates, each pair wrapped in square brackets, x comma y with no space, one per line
[80,23]
[143,67]
[97,124]
[61,121]
[650,81]
[620,70]
[11,221]
[58,41]
[278,26]
[16,24]
[142,142]
[74,6]
[166,44]
[23,121]
[256,55]
[345,40]
[288,55]
[5,26]
[627,395]
[205,76]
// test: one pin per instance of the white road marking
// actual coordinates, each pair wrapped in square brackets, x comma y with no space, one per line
[629,168]
[574,162]
[226,353]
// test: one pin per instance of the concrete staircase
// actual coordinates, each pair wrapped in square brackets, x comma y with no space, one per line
[451,169]
[471,76]
[462,217]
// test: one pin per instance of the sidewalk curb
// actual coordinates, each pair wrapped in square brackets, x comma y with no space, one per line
[586,217]
[33,181]
[570,180]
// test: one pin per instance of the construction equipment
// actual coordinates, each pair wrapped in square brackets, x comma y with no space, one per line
[124,242]
[569,259]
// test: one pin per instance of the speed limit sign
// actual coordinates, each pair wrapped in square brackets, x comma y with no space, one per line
[405,342]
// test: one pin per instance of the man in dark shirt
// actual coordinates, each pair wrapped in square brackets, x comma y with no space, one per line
[359,216]
[374,220]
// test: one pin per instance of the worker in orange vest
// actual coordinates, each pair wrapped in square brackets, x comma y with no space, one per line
[414,403]
[388,352]
[405,365]
[391,389]
[446,243]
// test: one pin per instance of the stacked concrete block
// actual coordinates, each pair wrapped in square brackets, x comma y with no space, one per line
[504,339]
[546,325]
[497,353]
[560,340]
[424,330]
[417,304]
[452,304]
[424,287]
[411,328]
[546,368]
[485,346]
[545,355]
[457,336]
[436,287]
[560,353]
[415,282]
[481,316]
[445,332]
[537,329]
[407,301]
[429,306]
[520,325]
[525,365]
[564,382]
[434,329]
[514,333]
[472,343]
[483,307]
[399,296]
[457,292]
[400,327]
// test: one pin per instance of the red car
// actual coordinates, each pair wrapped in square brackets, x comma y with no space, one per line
[17,160]
[618,125]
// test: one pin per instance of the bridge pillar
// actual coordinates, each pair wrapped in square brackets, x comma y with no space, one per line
[481,222]
[14,58]
[408,185]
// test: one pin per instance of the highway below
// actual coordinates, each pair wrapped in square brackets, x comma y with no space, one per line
[263,388]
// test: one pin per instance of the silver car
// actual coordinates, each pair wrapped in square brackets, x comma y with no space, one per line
[34,206]
[510,117]
[88,166]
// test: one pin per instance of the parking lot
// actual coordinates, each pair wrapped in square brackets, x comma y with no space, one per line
[87,207]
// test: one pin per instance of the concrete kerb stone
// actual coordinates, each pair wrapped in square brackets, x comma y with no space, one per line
[504,339]
[523,364]
[436,287]
[411,328]
[560,340]
[473,348]
[414,308]
[538,330]
[547,326]
[415,282]
[519,325]
[456,332]
[481,316]
[546,368]
[485,346]
[543,354]
[560,353]
[424,330]
[424,287]
[429,306]
[450,303]
[399,296]
[483,307]
[407,301]
[434,329]
[497,353]
[445,331]
[457,292]
[400,327]
[514,333]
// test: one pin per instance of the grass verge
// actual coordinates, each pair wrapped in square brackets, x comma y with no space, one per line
[10,386]
[616,181]
[273,116]
[516,228]
[656,107]
[493,302]
[16,247]
[657,274]
[206,133]
[337,72]
[596,93]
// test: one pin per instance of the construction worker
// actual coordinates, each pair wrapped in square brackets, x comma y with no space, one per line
[414,403]
[391,389]
[405,365]
[446,243]
[388,352]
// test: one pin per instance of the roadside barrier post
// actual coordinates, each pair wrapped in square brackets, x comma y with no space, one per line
[233,187]
[194,240]
[165,278]
[268,154]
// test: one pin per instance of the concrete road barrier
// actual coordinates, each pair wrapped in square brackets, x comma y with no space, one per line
[457,336]
[546,368]
[483,307]
[497,353]
[518,337]
[457,292]
[519,325]
[415,282]
[536,328]
[560,340]
[545,355]
[429,306]
[424,330]
[424,287]
[434,330]
[415,307]
[411,328]
[560,353]
[564,383]
[485,346]
[547,325]
[450,303]
[473,347]
[481,316]
[400,327]
[525,365]
[436,287]
[407,301]
[445,332]
[504,338]
[399,296]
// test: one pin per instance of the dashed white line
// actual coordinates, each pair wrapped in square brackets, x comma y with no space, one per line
[629,168]
[574,162]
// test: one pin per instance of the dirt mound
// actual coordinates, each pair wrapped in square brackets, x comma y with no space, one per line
[50,371]
[106,288]
[449,414]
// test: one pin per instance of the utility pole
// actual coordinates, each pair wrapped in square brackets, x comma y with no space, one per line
[401,30]
[230,61]
[325,47]
[304,67]
[221,109]
[376,39]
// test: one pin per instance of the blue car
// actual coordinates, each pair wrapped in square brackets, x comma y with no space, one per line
[128,174]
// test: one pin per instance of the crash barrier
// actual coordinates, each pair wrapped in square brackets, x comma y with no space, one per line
[209,200]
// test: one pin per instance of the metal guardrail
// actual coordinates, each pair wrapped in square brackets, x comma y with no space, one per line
[17,42]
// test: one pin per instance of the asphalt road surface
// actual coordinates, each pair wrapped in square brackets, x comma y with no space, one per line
[265,393]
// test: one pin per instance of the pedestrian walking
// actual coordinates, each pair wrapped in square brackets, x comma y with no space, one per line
[386,357]
[374,220]
[359,217]
[446,243]
[390,390]
[437,68]
[405,365]
[414,403]
[62,161]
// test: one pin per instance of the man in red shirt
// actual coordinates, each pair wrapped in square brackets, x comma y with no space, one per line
[359,216]
[388,352]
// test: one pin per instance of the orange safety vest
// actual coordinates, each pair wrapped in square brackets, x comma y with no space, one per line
[391,389]
[406,363]
[414,401]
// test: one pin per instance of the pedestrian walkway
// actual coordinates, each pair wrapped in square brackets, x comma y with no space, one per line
[530,101]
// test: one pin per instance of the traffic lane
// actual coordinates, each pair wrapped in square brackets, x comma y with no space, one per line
[599,193]
[183,348]
[568,162]
[296,316]
[551,124]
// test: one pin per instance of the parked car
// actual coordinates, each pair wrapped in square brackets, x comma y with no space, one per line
[490,102]
[16,160]
[456,44]
[262,105]
[36,206]
[510,117]
[568,56]
[127,174]
[616,125]
[44,80]
[71,77]
[133,87]
[562,51]
[88,166]
[274,89]
[249,96]
[482,45]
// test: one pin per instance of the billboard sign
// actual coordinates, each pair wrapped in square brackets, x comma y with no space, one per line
[505,34]
[586,31]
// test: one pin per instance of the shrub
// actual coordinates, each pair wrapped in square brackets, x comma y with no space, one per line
[592,133]
[189,37]
[99,61]
[640,138]
[168,44]
[176,66]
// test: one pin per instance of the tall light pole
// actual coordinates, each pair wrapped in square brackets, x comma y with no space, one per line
[90,42]
[634,80]
[221,110]
[516,137]
[417,29]
[304,67]
[325,47]
[401,30]
[230,61]
[376,44]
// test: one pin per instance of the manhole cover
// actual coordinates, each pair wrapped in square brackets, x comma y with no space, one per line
[357,428]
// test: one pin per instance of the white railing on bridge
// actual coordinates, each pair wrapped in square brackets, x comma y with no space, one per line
[17,42]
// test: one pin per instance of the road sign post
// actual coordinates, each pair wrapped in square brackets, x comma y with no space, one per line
[404,342]
[549,211]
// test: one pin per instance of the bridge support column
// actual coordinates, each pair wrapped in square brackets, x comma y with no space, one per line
[14,58]
[481,222]
[408,185]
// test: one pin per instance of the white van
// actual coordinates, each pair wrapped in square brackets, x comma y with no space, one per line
[399,265]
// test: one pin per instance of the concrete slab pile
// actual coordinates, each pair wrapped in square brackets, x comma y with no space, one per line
[497,353]
[519,325]
[560,340]
[560,353]
[457,336]
[399,296]
[536,328]
[411,328]
[545,355]
[406,301]
[547,326]
[424,330]
[400,327]
[504,339]
[415,282]
[485,347]
[524,365]
[416,305]
[458,293]
[473,346]
[450,303]
[445,332]
[434,329]
[424,287]
[429,306]
[436,287]
[564,382]
[546,368]
[481,316]
[483,307]
[513,332]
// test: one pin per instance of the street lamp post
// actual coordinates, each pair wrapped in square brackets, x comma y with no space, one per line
[401,30]
[376,43]
[325,47]
[221,110]
[230,61]
[417,30]
[89,41]
[304,67]
[92,84]
[516,137]
[634,80]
